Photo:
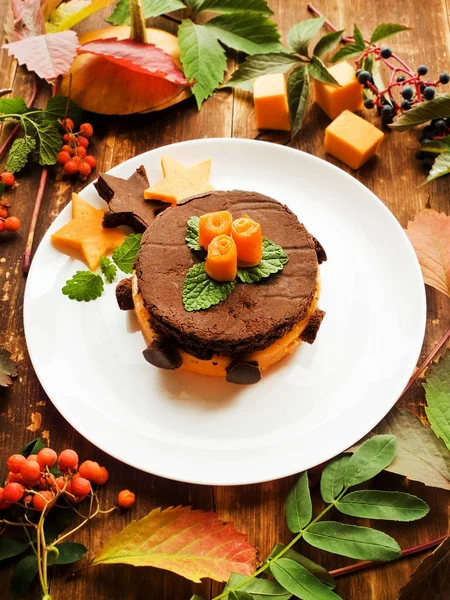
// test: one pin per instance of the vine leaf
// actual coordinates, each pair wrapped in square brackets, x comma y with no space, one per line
[151,8]
[441,167]
[438,108]
[298,96]
[328,42]
[300,35]
[260,64]
[192,543]
[318,71]
[386,30]
[437,391]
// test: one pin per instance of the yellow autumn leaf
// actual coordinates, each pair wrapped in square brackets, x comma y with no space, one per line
[68,14]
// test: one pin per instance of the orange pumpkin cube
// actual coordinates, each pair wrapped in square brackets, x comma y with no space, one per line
[271,102]
[333,99]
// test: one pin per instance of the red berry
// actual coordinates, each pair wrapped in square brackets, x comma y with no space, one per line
[90,470]
[69,138]
[12,224]
[78,160]
[81,151]
[80,486]
[125,499]
[14,477]
[91,161]
[42,500]
[82,141]
[71,167]
[14,462]
[62,157]
[3,212]
[84,169]
[86,129]
[102,477]
[67,148]
[47,457]
[68,125]
[28,498]
[2,225]
[32,457]
[68,459]
[13,492]
[31,472]
[3,504]
[7,178]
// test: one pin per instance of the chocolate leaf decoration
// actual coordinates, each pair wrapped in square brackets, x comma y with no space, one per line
[438,108]
[332,479]
[125,255]
[192,234]
[437,391]
[298,96]
[298,505]
[318,70]
[387,506]
[8,368]
[84,286]
[441,166]
[317,570]
[328,42]
[273,260]
[260,64]
[299,581]
[201,292]
[301,34]
[386,30]
[192,543]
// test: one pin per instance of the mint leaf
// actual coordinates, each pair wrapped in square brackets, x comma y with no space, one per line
[18,153]
[192,234]
[328,42]
[49,142]
[298,96]
[13,106]
[260,64]
[273,260]
[56,109]
[441,166]
[200,291]
[386,30]
[203,59]
[438,108]
[437,392]
[300,35]
[152,8]
[84,286]
[249,32]
[230,6]
[125,255]
[318,71]
[108,269]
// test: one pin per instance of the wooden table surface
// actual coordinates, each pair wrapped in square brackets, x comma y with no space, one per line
[257,510]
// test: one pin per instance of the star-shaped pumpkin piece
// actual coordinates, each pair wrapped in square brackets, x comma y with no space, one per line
[180,182]
[85,234]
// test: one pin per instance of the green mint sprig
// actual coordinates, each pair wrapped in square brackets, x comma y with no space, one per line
[273,260]
[84,286]
[200,292]
[108,268]
[192,234]
[125,255]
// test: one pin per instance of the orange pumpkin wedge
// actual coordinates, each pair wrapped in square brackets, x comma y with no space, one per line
[221,262]
[212,225]
[248,239]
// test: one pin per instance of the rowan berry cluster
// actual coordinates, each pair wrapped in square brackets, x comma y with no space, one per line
[73,154]
[7,223]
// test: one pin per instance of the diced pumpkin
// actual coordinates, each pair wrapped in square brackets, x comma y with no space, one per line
[248,237]
[333,99]
[212,225]
[221,262]
[271,102]
[352,140]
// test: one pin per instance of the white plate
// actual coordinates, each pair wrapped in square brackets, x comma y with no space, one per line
[88,356]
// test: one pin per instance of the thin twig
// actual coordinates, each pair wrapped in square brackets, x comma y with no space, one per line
[5,92]
[418,372]
[368,563]
[16,128]
[328,24]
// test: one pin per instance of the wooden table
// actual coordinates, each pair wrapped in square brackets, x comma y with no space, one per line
[255,509]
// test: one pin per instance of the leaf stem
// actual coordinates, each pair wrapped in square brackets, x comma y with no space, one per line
[16,128]
[367,564]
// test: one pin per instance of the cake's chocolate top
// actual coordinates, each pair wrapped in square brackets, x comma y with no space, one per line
[125,198]
[254,315]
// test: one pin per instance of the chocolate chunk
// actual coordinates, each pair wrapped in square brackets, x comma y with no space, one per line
[164,354]
[124,294]
[243,372]
[310,332]
[126,203]
[321,254]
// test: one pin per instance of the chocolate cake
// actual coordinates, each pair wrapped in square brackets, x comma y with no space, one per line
[255,315]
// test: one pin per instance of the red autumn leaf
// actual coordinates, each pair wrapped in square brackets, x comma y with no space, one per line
[192,543]
[24,19]
[429,233]
[137,56]
[48,55]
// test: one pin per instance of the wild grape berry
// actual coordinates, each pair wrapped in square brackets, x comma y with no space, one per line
[407,93]
[427,163]
[429,92]
[439,125]
[422,70]
[369,103]
[401,78]
[386,111]
[405,105]
[444,78]
[386,52]
[364,77]
[419,155]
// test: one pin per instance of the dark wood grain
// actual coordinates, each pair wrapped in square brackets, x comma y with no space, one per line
[257,509]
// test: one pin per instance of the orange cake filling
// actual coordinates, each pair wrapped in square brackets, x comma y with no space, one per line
[216,366]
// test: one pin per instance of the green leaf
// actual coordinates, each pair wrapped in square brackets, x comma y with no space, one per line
[318,71]
[192,234]
[273,260]
[385,30]
[108,269]
[328,42]
[197,597]
[437,390]
[260,589]
[68,18]
[301,34]
[203,59]
[438,108]
[125,255]
[298,505]
[368,63]
[23,575]
[441,167]
[56,109]
[13,106]
[70,552]
[240,595]
[298,96]
[18,153]
[299,581]
[260,64]
[57,520]
[347,51]
[358,37]
[362,543]
[230,6]
[84,286]
[152,8]
[249,32]
[332,480]
[33,447]
[370,459]
[387,506]
[49,142]
[440,145]
[317,570]
[200,291]
[10,547]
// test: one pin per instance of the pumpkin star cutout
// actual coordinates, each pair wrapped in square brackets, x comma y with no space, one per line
[86,235]
[180,182]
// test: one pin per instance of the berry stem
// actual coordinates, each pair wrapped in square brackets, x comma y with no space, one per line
[15,129]
[328,24]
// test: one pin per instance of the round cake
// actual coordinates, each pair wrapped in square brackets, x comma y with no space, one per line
[257,324]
